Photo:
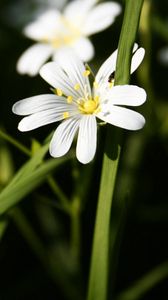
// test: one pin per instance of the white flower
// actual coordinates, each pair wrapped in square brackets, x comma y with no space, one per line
[55,31]
[78,104]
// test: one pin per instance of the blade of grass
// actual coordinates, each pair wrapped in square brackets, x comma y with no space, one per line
[144,284]
[14,142]
[3,226]
[13,193]
[98,280]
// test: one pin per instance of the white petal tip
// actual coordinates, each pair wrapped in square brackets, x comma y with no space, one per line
[22,128]
[139,125]
[24,125]
[25,71]
[46,70]
[54,153]
[85,161]
[143,96]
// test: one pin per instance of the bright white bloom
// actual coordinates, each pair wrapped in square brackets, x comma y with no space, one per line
[79,105]
[55,31]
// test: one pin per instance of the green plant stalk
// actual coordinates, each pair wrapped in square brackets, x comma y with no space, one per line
[59,193]
[144,284]
[144,73]
[98,280]
[14,142]
[27,231]
[75,227]
[3,226]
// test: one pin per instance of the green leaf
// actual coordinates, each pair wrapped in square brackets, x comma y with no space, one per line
[28,180]
[3,226]
[144,284]
[32,163]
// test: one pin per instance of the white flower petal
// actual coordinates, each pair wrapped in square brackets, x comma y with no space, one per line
[47,116]
[107,68]
[84,49]
[41,103]
[137,59]
[56,77]
[44,27]
[123,117]
[126,95]
[77,9]
[39,119]
[100,17]
[34,104]
[87,139]
[74,68]
[135,47]
[33,58]
[63,137]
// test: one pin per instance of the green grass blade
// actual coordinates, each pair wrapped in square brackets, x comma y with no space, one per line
[3,226]
[13,193]
[31,165]
[98,281]
[144,284]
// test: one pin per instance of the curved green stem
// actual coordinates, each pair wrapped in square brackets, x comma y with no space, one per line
[98,280]
[59,193]
[144,284]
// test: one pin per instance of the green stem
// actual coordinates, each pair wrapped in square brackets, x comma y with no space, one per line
[75,228]
[3,226]
[53,266]
[144,284]
[145,72]
[28,233]
[15,143]
[127,39]
[98,280]
[59,193]
[99,263]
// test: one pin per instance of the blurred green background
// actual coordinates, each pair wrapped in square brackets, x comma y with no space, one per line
[142,243]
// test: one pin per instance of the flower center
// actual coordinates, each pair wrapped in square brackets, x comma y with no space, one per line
[89,106]
[67,34]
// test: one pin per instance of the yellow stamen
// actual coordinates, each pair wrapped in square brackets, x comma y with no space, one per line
[59,92]
[69,99]
[86,73]
[95,84]
[76,86]
[80,102]
[66,115]
[97,110]
[96,99]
